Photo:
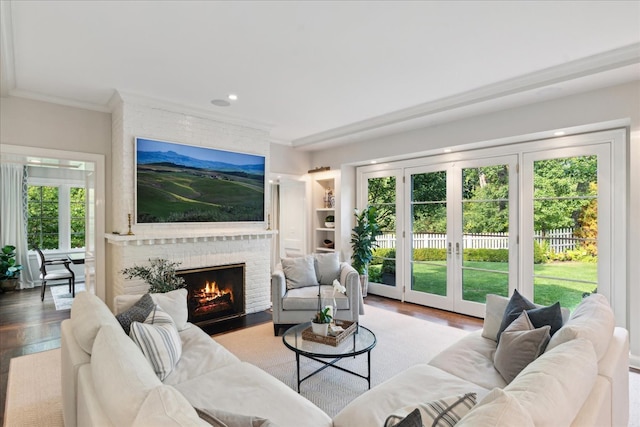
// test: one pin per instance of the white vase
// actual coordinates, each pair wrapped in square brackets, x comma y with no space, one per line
[320,328]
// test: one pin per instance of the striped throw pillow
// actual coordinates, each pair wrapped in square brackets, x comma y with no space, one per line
[438,413]
[159,341]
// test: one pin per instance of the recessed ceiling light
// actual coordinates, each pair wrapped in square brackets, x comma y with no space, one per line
[220,102]
[373,162]
[447,150]
[559,133]
[233,97]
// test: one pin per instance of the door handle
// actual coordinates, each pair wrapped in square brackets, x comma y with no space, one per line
[457,248]
[449,248]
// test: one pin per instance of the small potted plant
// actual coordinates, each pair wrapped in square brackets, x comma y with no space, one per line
[160,275]
[320,323]
[330,221]
[9,268]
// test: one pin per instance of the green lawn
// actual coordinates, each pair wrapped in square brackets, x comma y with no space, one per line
[477,284]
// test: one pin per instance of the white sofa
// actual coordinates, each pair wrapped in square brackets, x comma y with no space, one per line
[580,380]
[106,380]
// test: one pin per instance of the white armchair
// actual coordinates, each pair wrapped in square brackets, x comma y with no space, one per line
[294,289]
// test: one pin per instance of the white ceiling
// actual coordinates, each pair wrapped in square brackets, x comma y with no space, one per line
[319,73]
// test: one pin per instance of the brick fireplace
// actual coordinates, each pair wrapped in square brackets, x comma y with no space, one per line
[197,251]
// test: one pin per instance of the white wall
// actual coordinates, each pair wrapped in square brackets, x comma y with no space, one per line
[285,160]
[29,123]
[618,104]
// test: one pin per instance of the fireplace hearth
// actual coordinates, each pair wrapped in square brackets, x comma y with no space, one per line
[215,293]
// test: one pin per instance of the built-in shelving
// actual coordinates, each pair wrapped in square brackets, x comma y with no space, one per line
[325,203]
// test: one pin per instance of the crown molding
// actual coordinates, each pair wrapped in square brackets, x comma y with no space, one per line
[128,97]
[18,93]
[606,61]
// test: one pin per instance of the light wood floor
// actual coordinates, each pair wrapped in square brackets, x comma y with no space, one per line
[28,325]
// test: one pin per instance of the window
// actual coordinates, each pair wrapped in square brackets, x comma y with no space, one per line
[56,216]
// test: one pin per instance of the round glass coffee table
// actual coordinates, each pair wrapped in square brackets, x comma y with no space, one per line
[361,341]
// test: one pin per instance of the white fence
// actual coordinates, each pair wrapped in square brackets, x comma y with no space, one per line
[559,240]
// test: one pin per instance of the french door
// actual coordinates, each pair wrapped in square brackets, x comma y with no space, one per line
[545,217]
[454,211]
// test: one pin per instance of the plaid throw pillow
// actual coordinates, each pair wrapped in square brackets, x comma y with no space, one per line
[438,413]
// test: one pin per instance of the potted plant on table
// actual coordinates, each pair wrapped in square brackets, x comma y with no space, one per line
[320,323]
[9,268]
[363,240]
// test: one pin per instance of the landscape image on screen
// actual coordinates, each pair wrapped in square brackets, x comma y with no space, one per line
[182,183]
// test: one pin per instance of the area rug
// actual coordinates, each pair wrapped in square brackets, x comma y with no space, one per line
[34,391]
[62,297]
[402,341]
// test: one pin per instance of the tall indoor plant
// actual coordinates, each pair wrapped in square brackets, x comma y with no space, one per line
[9,268]
[363,240]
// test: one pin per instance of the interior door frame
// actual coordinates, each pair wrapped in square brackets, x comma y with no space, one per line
[95,247]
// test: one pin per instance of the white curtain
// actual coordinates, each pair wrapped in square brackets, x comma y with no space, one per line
[13,216]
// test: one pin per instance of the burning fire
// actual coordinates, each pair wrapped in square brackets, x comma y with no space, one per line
[211,291]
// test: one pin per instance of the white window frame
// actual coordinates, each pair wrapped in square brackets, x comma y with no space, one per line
[616,141]
[64,210]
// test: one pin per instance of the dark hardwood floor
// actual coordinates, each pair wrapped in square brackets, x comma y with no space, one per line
[28,325]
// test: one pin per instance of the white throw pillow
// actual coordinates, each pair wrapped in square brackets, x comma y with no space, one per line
[327,267]
[494,312]
[299,272]
[174,303]
[159,341]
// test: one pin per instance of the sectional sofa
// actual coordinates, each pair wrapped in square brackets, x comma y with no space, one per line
[581,379]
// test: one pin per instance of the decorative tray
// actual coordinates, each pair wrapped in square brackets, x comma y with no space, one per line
[349,328]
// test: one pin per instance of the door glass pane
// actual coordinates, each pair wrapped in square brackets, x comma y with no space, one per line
[565,229]
[485,225]
[429,232]
[382,195]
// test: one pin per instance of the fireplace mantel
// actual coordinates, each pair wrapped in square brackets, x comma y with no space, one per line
[173,238]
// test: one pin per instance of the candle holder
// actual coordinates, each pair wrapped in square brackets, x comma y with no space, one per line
[129,233]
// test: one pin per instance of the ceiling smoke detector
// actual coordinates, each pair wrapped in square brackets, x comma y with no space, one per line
[220,102]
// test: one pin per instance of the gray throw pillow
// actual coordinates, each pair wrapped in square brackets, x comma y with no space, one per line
[138,312]
[299,272]
[520,344]
[549,315]
[412,420]
[517,304]
[327,267]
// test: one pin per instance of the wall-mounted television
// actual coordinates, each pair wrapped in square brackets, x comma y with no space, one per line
[182,183]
